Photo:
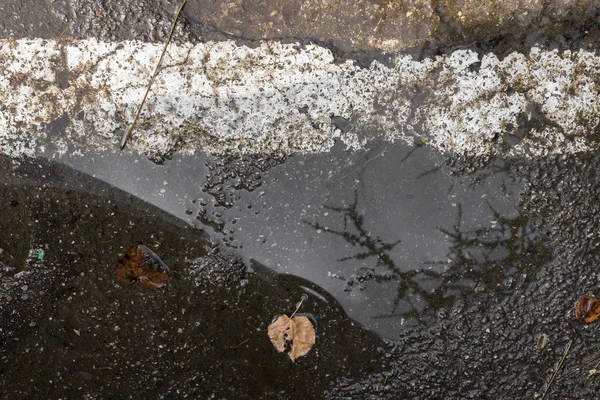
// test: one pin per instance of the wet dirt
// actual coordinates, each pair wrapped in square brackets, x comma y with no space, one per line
[69,328]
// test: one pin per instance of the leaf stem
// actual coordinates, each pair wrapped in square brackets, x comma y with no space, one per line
[304,297]
[238,345]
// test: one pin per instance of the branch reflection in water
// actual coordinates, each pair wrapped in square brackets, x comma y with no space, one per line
[484,259]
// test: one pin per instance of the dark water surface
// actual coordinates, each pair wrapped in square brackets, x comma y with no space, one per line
[391,232]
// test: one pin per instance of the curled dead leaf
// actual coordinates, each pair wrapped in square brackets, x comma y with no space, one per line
[139,263]
[587,309]
[297,332]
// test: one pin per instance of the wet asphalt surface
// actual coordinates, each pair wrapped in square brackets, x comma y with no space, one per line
[501,287]
[428,275]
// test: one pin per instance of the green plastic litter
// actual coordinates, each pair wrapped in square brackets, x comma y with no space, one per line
[39,254]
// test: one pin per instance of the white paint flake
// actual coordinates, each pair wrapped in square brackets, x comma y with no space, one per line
[281,98]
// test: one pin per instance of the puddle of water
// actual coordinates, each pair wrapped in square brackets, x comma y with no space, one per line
[392,233]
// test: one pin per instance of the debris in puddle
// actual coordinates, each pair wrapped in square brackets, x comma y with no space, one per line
[587,309]
[139,263]
[240,344]
[36,253]
[296,334]
[593,359]
[297,331]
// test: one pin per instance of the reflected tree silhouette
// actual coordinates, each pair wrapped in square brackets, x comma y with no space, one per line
[481,259]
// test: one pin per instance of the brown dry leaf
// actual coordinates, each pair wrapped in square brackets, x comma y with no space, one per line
[139,263]
[587,309]
[298,331]
[128,271]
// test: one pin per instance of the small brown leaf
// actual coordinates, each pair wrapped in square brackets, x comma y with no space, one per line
[128,270]
[139,263]
[587,309]
[298,331]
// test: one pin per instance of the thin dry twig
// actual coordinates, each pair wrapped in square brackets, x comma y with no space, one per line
[127,135]
[587,362]
[562,360]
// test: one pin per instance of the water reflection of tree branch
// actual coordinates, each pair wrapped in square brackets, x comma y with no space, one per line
[478,168]
[375,247]
[478,259]
[487,256]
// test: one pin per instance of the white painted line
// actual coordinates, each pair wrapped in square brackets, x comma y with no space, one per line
[221,97]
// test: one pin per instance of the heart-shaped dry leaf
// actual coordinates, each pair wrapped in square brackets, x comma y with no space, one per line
[297,331]
[587,309]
